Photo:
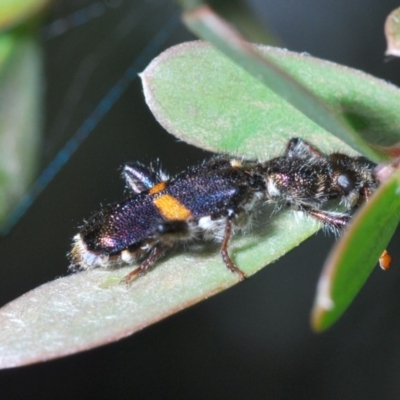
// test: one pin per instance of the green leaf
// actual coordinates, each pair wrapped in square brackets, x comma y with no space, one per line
[15,12]
[20,115]
[392,33]
[356,254]
[209,26]
[203,98]
[92,308]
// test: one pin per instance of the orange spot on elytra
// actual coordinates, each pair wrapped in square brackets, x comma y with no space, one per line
[158,188]
[170,208]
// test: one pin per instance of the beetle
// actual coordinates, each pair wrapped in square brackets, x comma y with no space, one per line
[212,200]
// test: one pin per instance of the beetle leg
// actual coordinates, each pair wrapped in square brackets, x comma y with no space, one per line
[156,253]
[299,148]
[224,251]
[329,219]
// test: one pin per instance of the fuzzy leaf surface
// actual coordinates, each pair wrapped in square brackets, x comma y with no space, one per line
[203,98]
[92,308]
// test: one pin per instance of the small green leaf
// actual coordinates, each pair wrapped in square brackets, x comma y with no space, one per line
[356,254]
[92,308]
[202,97]
[392,33]
[15,12]
[20,115]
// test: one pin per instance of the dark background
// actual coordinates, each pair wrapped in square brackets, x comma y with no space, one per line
[252,341]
